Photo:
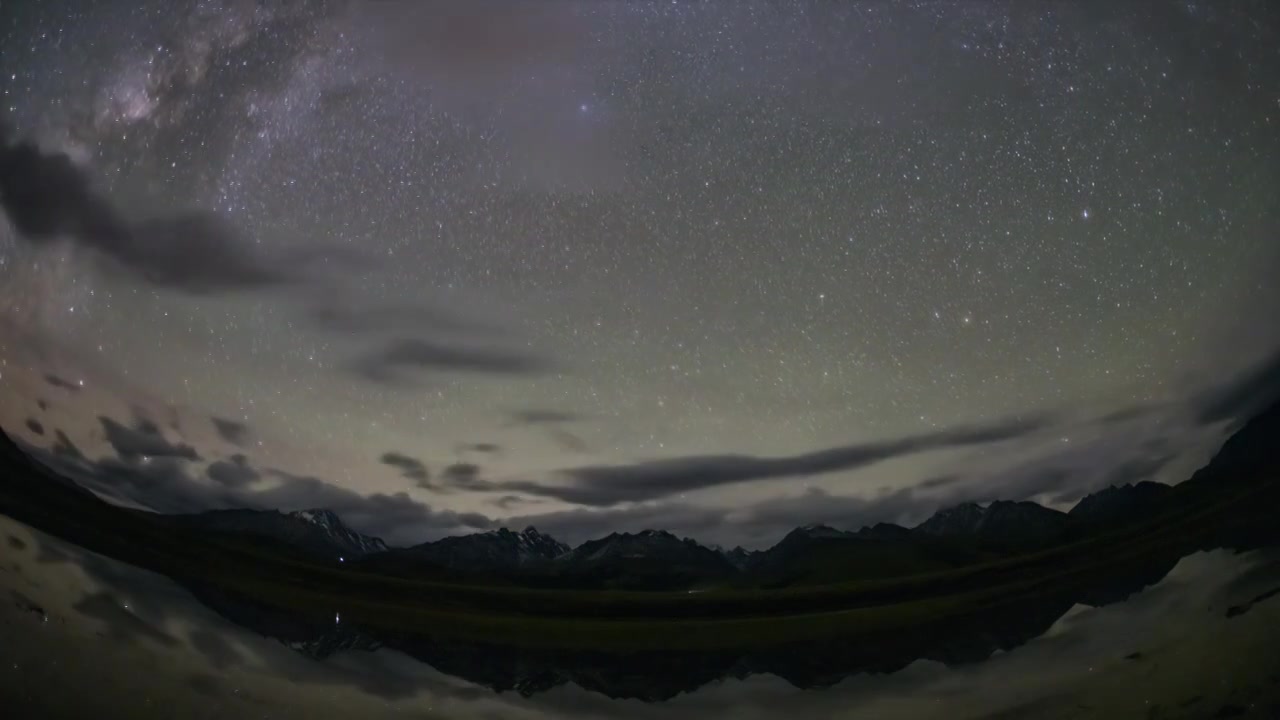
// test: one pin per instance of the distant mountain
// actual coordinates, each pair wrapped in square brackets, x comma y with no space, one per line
[883,531]
[738,557]
[497,550]
[1001,523]
[1120,503]
[650,559]
[317,532]
[498,556]
[818,554]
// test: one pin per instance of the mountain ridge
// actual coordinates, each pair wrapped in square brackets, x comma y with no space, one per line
[960,519]
[953,536]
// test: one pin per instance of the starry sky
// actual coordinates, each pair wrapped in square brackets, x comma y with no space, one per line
[719,267]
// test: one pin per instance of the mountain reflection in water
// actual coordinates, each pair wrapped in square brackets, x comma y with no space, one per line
[1173,637]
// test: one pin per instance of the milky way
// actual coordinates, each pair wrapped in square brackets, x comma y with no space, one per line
[591,235]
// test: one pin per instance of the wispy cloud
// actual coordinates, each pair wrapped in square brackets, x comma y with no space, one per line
[608,485]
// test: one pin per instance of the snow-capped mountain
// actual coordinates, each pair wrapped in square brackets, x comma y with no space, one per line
[644,544]
[1012,522]
[489,551]
[738,557]
[356,544]
[653,559]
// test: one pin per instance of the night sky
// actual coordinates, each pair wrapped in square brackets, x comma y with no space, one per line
[722,268]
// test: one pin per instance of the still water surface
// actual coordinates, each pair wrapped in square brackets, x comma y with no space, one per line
[85,636]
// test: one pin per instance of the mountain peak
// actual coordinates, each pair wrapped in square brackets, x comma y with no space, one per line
[821,531]
[493,550]
[883,531]
[1002,520]
[319,516]
[1120,502]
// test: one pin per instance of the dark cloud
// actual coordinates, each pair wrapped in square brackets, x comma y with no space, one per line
[42,404]
[484,448]
[397,518]
[1240,397]
[61,383]
[462,475]
[48,198]
[607,485]
[387,364]
[164,485]
[143,440]
[1125,415]
[542,416]
[409,467]
[161,483]
[506,502]
[233,473]
[34,426]
[938,482]
[144,424]
[64,448]
[236,433]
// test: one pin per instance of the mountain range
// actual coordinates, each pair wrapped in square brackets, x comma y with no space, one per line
[659,560]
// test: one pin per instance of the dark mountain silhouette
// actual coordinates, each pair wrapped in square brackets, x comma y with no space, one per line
[1120,503]
[1002,524]
[739,557]
[652,559]
[818,554]
[487,553]
[318,533]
